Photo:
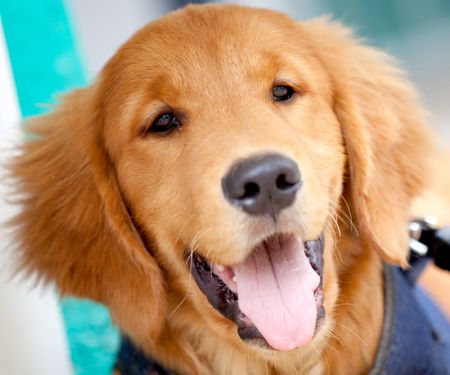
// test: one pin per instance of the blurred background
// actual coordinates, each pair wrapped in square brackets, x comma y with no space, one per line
[51,46]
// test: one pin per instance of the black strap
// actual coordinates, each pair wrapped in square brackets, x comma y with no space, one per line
[431,242]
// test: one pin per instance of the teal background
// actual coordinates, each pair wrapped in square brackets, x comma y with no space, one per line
[93,341]
[42,50]
[45,63]
[383,19]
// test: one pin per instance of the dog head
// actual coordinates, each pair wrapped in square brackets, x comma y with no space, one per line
[203,179]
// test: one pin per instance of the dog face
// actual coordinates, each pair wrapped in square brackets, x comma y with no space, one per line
[191,142]
[201,182]
[224,112]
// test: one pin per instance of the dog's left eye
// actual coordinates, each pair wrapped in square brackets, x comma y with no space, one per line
[282,93]
[165,123]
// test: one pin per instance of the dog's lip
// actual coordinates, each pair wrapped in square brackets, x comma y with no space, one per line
[218,284]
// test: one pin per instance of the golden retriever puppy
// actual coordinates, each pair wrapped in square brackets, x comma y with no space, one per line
[230,187]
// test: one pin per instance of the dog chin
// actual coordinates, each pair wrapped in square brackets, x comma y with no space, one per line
[274,296]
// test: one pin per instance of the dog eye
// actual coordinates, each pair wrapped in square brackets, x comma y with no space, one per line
[165,123]
[282,93]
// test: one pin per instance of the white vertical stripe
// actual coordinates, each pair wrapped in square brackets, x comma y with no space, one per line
[32,338]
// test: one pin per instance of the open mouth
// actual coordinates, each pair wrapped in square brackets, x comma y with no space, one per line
[274,296]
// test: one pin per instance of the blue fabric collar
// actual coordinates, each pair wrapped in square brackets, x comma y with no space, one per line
[411,343]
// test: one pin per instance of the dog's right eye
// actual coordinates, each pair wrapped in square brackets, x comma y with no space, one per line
[165,123]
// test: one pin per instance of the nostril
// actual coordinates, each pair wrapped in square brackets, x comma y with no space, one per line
[283,183]
[264,184]
[251,190]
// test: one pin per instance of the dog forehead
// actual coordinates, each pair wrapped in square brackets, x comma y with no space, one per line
[215,26]
[202,44]
[203,56]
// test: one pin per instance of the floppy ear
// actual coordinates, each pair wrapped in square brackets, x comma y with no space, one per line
[386,142]
[74,228]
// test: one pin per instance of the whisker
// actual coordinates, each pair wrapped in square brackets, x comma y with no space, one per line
[333,235]
[352,225]
[352,332]
[186,222]
[189,288]
[333,217]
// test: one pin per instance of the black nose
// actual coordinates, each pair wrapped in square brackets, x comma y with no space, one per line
[262,185]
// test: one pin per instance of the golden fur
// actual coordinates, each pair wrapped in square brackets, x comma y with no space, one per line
[108,210]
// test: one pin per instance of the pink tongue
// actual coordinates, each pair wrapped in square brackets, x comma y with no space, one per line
[276,285]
